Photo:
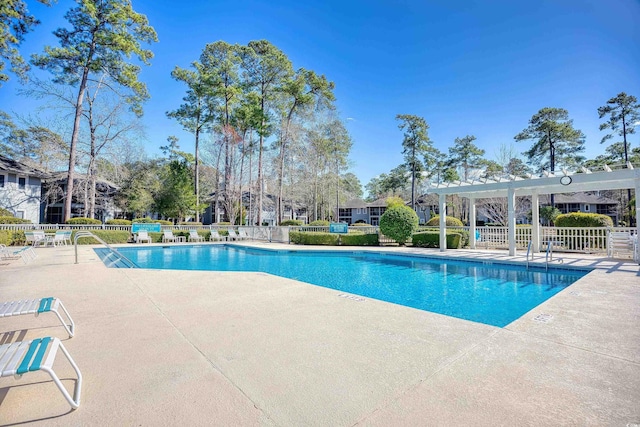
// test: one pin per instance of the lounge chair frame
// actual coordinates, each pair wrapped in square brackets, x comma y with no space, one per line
[18,358]
[195,237]
[37,306]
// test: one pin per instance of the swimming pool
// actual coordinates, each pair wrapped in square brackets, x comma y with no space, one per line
[494,294]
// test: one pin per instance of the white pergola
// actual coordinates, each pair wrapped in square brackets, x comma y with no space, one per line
[547,183]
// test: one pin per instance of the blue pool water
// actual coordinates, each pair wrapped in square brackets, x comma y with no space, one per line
[491,294]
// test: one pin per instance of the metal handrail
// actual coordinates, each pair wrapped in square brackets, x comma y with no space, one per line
[549,254]
[80,234]
[529,250]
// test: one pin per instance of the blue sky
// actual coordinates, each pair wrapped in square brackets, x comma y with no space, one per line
[468,67]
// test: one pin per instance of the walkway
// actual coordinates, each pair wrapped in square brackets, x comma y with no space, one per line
[207,348]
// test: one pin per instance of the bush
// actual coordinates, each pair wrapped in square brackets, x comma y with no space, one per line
[313,238]
[80,220]
[144,220]
[223,223]
[6,237]
[430,239]
[294,222]
[109,236]
[579,219]
[359,239]
[118,222]
[319,223]
[189,223]
[5,212]
[361,224]
[450,221]
[13,220]
[399,222]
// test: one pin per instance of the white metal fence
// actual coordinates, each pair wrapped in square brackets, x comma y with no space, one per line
[563,239]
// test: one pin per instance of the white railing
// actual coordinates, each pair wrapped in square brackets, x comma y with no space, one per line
[564,239]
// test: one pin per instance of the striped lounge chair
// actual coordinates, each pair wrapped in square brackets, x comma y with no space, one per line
[18,358]
[37,306]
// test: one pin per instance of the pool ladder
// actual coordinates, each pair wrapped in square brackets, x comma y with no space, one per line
[548,256]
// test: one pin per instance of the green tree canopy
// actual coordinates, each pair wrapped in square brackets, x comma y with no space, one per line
[15,23]
[624,114]
[555,141]
[104,36]
[466,155]
[415,145]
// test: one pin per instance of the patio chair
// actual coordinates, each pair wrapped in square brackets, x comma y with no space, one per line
[21,357]
[26,254]
[620,241]
[242,233]
[167,236]
[60,238]
[233,235]
[35,238]
[215,236]
[143,236]
[37,306]
[195,237]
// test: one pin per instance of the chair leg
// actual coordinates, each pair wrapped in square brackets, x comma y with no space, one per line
[69,328]
[75,401]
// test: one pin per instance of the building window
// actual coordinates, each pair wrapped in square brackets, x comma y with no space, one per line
[1,181]
[20,214]
[586,208]
[22,182]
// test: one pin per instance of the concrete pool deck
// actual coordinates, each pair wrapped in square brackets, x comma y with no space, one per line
[219,348]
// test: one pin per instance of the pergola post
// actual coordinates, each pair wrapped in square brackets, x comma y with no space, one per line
[472,222]
[442,201]
[511,202]
[535,221]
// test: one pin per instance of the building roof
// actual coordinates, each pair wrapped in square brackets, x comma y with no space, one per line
[14,166]
[585,198]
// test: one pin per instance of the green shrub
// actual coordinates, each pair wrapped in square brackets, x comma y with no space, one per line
[399,222]
[361,224]
[430,239]
[319,223]
[144,220]
[118,222]
[580,219]
[294,222]
[189,223]
[109,236]
[6,237]
[5,212]
[223,223]
[450,221]
[13,220]
[359,239]
[80,220]
[313,238]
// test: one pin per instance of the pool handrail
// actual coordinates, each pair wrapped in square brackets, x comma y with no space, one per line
[89,234]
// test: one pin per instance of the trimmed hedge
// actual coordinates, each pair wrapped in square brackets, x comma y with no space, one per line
[80,220]
[450,221]
[359,239]
[13,220]
[109,236]
[148,220]
[319,223]
[580,219]
[314,238]
[294,222]
[361,224]
[189,223]
[5,212]
[430,239]
[118,222]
